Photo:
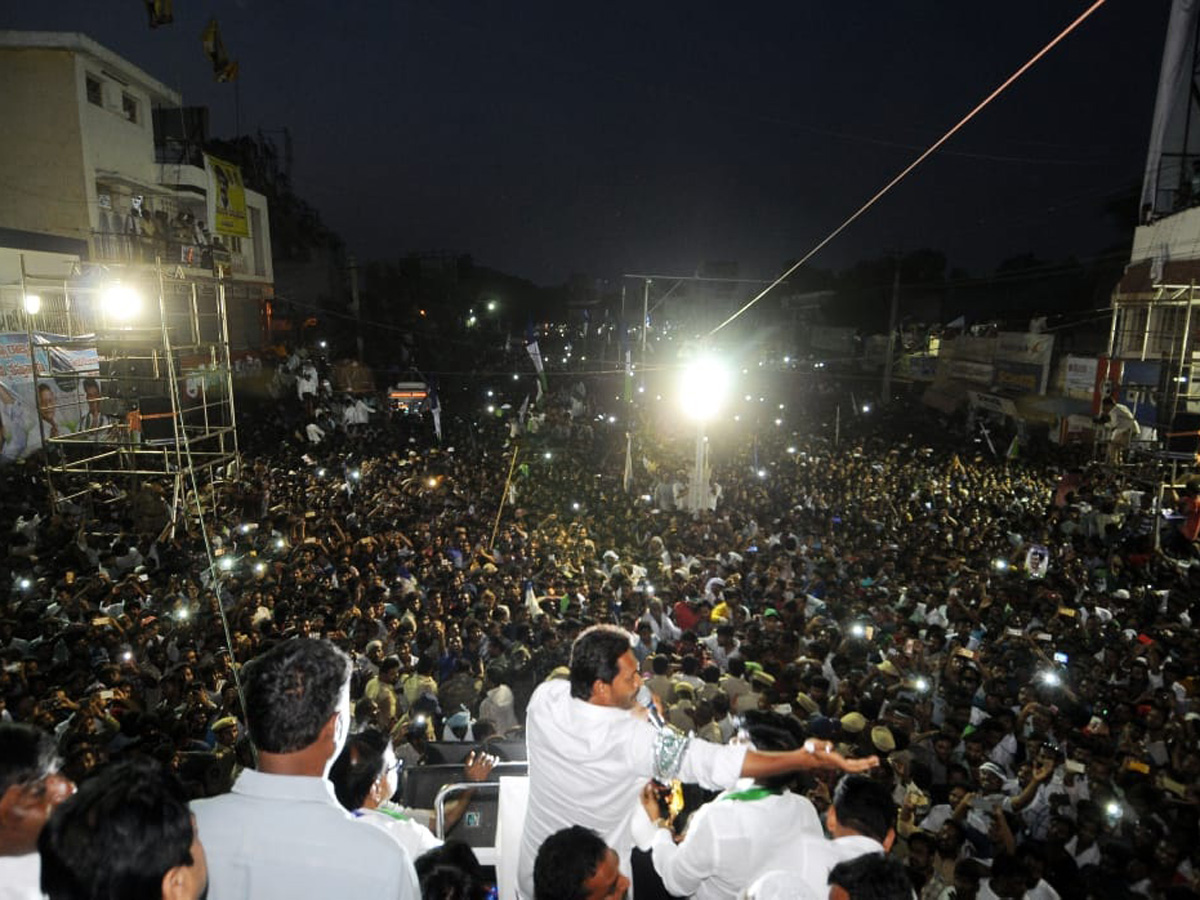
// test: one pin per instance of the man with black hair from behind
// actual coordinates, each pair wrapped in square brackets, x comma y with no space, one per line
[861,820]
[741,834]
[126,833]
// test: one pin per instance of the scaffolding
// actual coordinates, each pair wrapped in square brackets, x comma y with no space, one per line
[157,408]
[1156,330]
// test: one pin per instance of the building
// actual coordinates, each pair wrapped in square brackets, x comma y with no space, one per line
[1152,358]
[101,167]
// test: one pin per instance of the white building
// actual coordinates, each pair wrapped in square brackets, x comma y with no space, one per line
[1154,354]
[83,181]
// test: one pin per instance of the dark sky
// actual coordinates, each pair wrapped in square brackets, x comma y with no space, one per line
[547,138]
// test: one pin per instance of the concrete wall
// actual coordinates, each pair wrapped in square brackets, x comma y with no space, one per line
[1173,237]
[111,141]
[43,184]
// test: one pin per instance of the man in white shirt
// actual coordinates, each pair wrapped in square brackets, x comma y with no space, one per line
[30,787]
[860,820]
[591,748]
[662,626]
[739,836]
[1120,428]
[281,833]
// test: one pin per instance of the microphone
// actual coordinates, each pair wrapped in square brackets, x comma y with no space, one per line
[646,698]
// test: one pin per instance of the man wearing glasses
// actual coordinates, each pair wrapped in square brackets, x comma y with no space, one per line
[30,787]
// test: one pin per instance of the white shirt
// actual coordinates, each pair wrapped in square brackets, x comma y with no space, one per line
[666,630]
[1088,857]
[729,842]
[286,837]
[588,765]
[20,877]
[812,861]
[497,708]
[412,835]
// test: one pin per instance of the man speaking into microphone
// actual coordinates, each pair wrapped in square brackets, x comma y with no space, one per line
[592,747]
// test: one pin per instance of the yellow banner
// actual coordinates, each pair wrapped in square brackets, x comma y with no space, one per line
[229,198]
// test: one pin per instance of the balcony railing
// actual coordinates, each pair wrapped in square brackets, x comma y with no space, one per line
[137,248]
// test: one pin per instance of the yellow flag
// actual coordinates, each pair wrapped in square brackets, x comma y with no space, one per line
[160,12]
[214,48]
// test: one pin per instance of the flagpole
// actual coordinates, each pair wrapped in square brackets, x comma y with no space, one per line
[503,496]
[237,107]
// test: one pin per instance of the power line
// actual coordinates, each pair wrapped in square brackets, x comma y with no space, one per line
[920,159]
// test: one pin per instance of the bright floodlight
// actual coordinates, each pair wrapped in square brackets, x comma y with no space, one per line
[121,301]
[703,388]
[33,303]
[491,306]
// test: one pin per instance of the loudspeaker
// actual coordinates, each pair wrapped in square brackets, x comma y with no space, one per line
[118,341]
[129,378]
[1186,427]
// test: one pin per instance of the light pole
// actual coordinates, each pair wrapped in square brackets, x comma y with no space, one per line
[703,386]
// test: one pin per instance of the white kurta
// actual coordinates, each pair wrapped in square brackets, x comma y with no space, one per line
[20,877]
[412,835]
[812,861]
[588,765]
[729,843]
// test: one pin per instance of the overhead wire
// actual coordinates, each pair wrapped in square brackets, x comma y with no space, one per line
[1033,60]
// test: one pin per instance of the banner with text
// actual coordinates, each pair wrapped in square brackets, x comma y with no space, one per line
[59,400]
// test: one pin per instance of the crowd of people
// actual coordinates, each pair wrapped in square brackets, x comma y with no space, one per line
[1001,635]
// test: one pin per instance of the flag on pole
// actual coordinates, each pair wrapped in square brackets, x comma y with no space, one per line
[1013,448]
[536,355]
[523,411]
[627,354]
[160,12]
[627,481]
[587,320]
[531,603]
[224,69]
[435,408]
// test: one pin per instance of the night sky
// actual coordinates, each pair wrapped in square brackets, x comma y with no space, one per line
[550,138]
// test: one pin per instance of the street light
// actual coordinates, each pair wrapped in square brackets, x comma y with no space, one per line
[703,386]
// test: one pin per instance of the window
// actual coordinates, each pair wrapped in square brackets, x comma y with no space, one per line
[256,240]
[95,91]
[129,107]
